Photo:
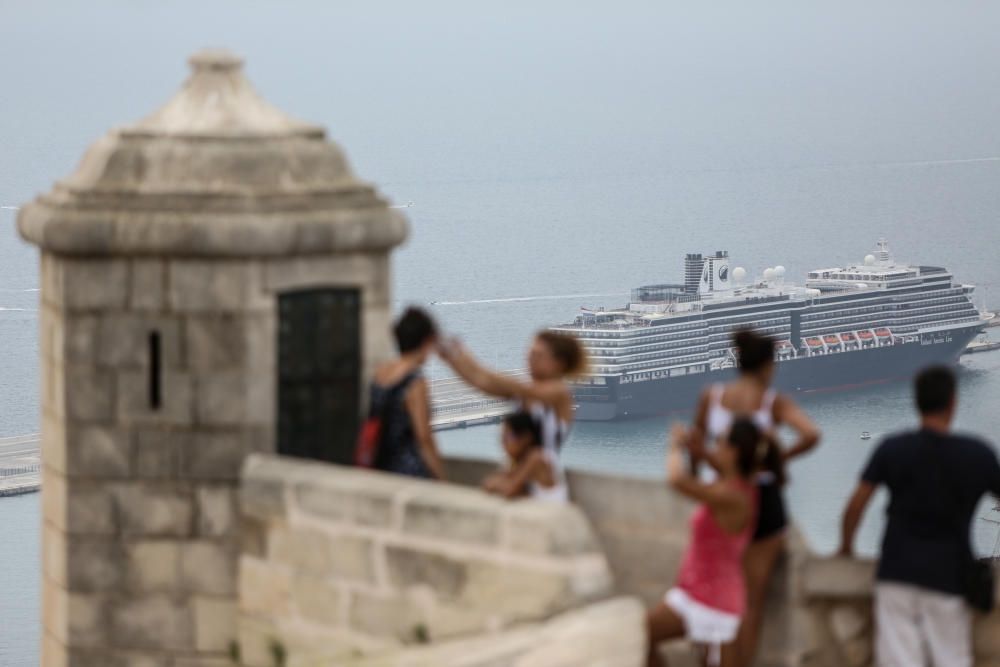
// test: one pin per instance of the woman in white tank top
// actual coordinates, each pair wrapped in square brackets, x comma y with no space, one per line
[545,395]
[751,395]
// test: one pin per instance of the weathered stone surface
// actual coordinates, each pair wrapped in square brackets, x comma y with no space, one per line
[370,506]
[207,568]
[220,454]
[84,509]
[95,564]
[95,451]
[216,510]
[318,600]
[203,286]
[148,287]
[232,398]
[302,549]
[265,589]
[123,340]
[382,615]
[215,625]
[152,621]
[838,578]
[86,615]
[155,511]
[80,338]
[159,452]
[92,284]
[215,342]
[409,567]
[548,528]
[453,514]
[89,393]
[153,566]
[176,393]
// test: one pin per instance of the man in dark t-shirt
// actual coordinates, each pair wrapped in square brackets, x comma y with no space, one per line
[935,481]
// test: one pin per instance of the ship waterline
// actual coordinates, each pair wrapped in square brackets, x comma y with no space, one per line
[861,324]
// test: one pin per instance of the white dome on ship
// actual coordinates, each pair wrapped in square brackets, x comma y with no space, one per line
[869,260]
[769,274]
[739,273]
[779,271]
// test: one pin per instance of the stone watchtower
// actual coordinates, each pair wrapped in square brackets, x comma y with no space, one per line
[215,282]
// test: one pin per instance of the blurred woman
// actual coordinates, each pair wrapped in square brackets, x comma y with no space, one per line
[709,599]
[552,359]
[752,396]
[401,401]
[531,470]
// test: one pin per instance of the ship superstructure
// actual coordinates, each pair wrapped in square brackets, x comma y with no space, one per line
[861,323]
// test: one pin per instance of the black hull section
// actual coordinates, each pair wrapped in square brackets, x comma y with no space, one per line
[832,371]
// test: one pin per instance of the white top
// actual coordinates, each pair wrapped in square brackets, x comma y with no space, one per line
[720,418]
[559,491]
[553,429]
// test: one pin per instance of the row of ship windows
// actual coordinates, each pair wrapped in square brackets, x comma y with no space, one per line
[889,310]
[659,362]
[672,372]
[889,319]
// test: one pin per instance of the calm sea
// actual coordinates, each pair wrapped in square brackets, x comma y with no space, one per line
[558,154]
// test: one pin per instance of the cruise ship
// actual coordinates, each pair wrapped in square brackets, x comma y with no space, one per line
[847,326]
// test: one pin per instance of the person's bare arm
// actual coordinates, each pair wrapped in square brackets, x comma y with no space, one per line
[418,405]
[788,412]
[714,495]
[502,386]
[853,514]
[515,482]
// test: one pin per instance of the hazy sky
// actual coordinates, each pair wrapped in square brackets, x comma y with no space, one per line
[599,86]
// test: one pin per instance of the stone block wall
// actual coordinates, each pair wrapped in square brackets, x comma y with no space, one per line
[838,595]
[343,566]
[140,535]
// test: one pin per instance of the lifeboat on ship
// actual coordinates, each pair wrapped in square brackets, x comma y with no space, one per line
[847,337]
[865,335]
[830,339]
[883,332]
[814,342]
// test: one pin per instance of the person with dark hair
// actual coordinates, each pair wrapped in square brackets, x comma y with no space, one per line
[531,470]
[709,600]
[935,481]
[752,395]
[400,396]
[552,359]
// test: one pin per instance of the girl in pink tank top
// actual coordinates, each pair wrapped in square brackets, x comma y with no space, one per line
[709,598]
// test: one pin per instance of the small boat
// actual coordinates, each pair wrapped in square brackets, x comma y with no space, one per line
[865,335]
[830,339]
[882,332]
[865,435]
[814,342]
[847,337]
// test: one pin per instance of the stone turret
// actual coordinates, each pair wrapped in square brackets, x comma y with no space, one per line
[215,282]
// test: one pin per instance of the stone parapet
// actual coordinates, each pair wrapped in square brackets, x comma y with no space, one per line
[359,563]
[838,595]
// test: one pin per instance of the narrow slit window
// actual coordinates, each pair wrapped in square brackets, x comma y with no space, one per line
[155,390]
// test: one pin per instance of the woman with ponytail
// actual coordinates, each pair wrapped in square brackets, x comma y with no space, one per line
[709,600]
[751,395]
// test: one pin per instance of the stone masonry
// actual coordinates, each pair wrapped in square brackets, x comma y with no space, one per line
[342,566]
[162,257]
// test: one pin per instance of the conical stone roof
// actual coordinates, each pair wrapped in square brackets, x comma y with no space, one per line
[216,171]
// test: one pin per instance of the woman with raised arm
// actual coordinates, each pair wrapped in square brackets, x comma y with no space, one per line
[752,396]
[708,601]
[552,359]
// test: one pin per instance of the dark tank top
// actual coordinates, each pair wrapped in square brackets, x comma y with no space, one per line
[398,451]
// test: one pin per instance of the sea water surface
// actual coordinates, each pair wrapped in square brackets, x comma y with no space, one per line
[559,154]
